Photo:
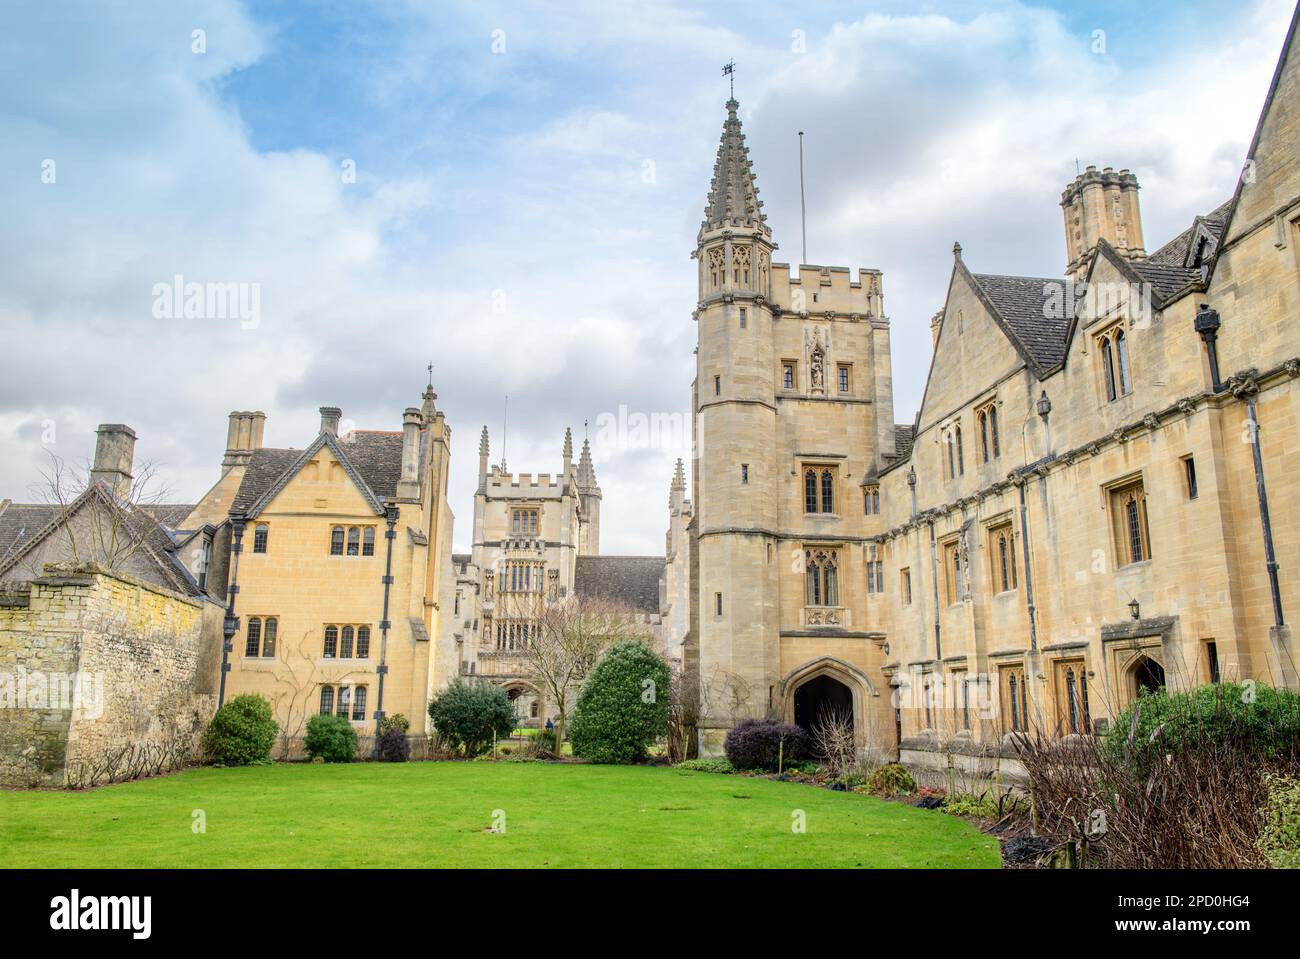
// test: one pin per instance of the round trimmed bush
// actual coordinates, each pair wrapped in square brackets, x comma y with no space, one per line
[393,746]
[765,743]
[330,738]
[468,714]
[891,779]
[396,721]
[242,732]
[1250,716]
[623,707]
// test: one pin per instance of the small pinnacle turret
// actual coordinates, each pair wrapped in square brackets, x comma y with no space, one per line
[586,471]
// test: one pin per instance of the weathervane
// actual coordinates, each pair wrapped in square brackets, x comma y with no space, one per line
[729,70]
[430,374]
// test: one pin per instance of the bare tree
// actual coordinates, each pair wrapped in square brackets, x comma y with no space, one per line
[571,636]
[104,529]
[833,738]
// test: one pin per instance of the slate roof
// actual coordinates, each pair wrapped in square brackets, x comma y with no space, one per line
[375,455]
[1174,253]
[21,521]
[1166,279]
[170,515]
[904,437]
[1024,303]
[630,580]
[264,468]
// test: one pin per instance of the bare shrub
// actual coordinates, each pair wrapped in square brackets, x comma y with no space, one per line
[833,740]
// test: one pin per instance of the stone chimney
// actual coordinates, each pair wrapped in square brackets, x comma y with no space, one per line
[243,436]
[329,419]
[408,487]
[114,454]
[1101,206]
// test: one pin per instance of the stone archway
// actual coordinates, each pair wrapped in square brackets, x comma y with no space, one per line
[530,706]
[1146,675]
[820,697]
[828,681]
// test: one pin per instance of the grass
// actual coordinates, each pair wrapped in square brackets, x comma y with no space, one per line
[432,815]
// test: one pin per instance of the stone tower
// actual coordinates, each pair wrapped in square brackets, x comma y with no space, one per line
[1101,206]
[792,381]
[735,424]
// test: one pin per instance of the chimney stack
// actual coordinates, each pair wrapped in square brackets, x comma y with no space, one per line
[1101,206]
[329,419]
[114,454]
[408,487]
[243,436]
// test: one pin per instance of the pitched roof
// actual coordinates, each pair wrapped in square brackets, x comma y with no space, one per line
[1166,279]
[904,437]
[1027,305]
[630,580]
[733,196]
[377,456]
[20,521]
[1175,252]
[170,514]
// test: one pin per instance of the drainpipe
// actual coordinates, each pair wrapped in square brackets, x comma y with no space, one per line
[230,625]
[1262,490]
[390,515]
[1029,576]
[934,577]
[1207,324]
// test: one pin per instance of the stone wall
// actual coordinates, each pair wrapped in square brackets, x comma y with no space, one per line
[102,677]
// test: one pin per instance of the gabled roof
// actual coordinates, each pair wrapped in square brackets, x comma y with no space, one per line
[155,541]
[630,580]
[1026,307]
[373,460]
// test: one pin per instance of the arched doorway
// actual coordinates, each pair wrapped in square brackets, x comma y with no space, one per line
[1148,676]
[819,697]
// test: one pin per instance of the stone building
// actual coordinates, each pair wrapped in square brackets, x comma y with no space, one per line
[340,568]
[110,629]
[1079,510]
[536,543]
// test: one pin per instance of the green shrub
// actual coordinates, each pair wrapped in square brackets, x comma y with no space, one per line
[242,732]
[982,806]
[1253,717]
[623,707]
[706,766]
[890,779]
[330,738]
[394,747]
[1279,839]
[396,721]
[469,715]
[541,746]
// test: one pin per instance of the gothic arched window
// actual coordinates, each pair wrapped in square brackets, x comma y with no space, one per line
[363,642]
[331,642]
[1121,362]
[359,705]
[828,491]
[336,541]
[326,700]
[345,643]
[368,541]
[354,541]
[268,636]
[260,535]
[961,458]
[810,491]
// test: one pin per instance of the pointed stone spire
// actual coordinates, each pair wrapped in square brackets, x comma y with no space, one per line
[679,476]
[733,196]
[568,446]
[483,460]
[677,489]
[586,472]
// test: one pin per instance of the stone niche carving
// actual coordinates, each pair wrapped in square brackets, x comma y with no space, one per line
[817,347]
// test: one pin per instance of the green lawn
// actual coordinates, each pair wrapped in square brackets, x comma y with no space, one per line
[436,815]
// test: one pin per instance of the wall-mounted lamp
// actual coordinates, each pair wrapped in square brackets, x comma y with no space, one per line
[1134,609]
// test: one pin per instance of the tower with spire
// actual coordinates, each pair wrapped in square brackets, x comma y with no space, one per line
[588,491]
[793,410]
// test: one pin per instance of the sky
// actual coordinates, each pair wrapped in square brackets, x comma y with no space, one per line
[511,191]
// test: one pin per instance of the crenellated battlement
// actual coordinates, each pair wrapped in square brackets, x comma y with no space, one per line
[813,289]
[523,485]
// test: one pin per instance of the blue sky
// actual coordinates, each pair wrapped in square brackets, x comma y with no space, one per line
[523,216]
